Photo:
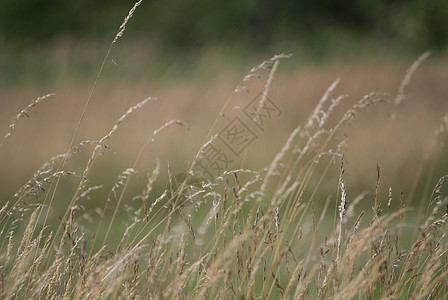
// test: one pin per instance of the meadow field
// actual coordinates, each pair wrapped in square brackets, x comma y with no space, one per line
[125,176]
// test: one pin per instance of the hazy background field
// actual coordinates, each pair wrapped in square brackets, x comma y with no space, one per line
[192,55]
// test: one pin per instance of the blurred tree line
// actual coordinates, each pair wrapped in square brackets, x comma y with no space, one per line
[181,24]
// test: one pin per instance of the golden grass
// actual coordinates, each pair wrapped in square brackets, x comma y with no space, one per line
[246,234]
[302,226]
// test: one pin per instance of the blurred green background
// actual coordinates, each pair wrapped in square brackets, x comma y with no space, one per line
[43,40]
[259,25]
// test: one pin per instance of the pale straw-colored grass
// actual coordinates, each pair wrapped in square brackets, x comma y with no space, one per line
[249,234]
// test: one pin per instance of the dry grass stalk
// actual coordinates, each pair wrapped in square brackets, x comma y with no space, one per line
[362,282]
[167,125]
[342,211]
[253,73]
[318,111]
[126,20]
[266,88]
[401,95]
[24,113]
[248,244]
[212,272]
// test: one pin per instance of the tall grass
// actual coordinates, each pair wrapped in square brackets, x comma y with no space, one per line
[252,234]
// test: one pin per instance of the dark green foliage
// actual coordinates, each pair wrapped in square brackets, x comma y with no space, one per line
[175,24]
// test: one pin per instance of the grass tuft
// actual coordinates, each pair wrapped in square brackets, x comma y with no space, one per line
[275,232]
